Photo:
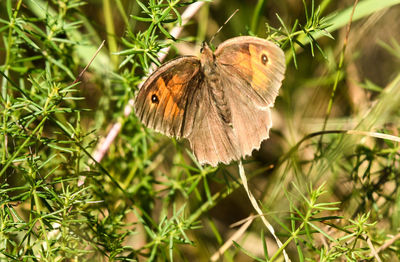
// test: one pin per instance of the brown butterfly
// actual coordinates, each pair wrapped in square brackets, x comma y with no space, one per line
[220,102]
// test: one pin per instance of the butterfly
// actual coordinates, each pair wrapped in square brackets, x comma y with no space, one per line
[220,102]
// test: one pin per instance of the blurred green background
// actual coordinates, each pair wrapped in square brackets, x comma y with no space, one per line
[330,194]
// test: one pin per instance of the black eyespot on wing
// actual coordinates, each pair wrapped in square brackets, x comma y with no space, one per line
[154,99]
[264,59]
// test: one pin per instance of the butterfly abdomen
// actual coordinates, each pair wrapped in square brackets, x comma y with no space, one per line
[212,76]
[218,96]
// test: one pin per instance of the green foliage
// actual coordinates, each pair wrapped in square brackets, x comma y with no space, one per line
[331,194]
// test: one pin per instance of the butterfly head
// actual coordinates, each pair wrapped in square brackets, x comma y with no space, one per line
[207,55]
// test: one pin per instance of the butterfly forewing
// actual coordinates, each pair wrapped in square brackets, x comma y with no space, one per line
[168,99]
[260,62]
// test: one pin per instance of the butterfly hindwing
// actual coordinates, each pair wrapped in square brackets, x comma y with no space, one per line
[251,116]
[253,69]
[211,140]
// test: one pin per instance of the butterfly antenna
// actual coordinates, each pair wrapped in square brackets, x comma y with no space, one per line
[227,20]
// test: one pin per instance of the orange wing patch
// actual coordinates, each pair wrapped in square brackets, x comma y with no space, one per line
[175,87]
[169,94]
[159,94]
[259,64]
[240,58]
[243,60]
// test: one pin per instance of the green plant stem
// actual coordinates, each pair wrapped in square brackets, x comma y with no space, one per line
[335,85]
[23,145]
[338,76]
[202,27]
[5,117]
[122,11]
[209,204]
[256,16]
[10,41]
[6,66]
[294,234]
[42,226]
[112,44]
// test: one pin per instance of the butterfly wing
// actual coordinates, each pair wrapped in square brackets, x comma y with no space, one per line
[257,61]
[212,140]
[168,99]
[254,69]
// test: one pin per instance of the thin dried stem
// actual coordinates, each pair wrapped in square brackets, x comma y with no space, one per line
[259,211]
[90,62]
[388,243]
[235,237]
